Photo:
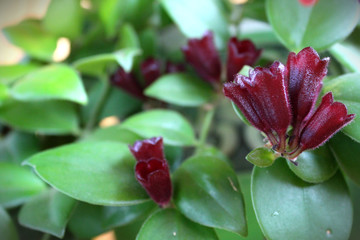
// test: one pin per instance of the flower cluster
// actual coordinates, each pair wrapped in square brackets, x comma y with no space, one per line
[274,98]
[152,170]
[203,56]
[151,69]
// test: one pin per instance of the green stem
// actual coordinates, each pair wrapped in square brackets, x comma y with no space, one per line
[206,124]
[98,107]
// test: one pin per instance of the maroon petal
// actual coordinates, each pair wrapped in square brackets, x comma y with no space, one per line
[203,56]
[127,82]
[147,149]
[328,119]
[240,53]
[304,73]
[308,3]
[151,70]
[174,67]
[159,187]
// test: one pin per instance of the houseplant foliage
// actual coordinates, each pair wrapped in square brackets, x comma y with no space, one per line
[182,161]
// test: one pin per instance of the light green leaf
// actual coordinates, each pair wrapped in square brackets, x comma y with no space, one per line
[48,117]
[100,173]
[170,224]
[173,127]
[111,12]
[4,94]
[7,227]
[51,83]
[261,157]
[207,192]
[48,212]
[289,208]
[17,184]
[318,26]
[127,37]
[180,89]
[348,55]
[194,18]
[114,133]
[9,74]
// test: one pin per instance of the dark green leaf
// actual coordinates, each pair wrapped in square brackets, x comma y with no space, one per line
[347,154]
[261,157]
[180,89]
[173,127]
[355,196]
[207,192]
[315,166]
[193,20]
[9,74]
[7,227]
[348,55]
[318,26]
[95,172]
[346,89]
[17,184]
[170,224]
[129,231]
[33,39]
[289,208]
[48,212]
[48,117]
[53,82]
[138,11]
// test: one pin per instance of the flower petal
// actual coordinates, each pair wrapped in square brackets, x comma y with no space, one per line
[147,149]
[127,82]
[151,70]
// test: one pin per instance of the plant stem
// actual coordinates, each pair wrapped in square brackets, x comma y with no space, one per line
[206,124]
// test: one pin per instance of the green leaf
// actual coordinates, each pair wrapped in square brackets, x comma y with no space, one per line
[127,37]
[348,55]
[96,65]
[114,133]
[4,94]
[347,154]
[355,196]
[173,127]
[9,74]
[240,114]
[17,184]
[7,227]
[261,157]
[48,117]
[207,192]
[180,89]
[289,208]
[33,39]
[111,13]
[138,11]
[55,22]
[95,172]
[17,146]
[170,224]
[51,83]
[259,32]
[193,20]
[48,212]
[315,166]
[345,89]
[129,231]
[318,26]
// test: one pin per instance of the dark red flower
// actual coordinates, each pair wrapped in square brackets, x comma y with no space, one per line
[203,56]
[308,3]
[127,82]
[174,67]
[152,170]
[263,99]
[151,70]
[240,53]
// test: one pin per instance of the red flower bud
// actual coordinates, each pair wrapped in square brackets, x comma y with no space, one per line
[308,3]
[203,56]
[152,170]
[240,53]
[127,82]
[151,70]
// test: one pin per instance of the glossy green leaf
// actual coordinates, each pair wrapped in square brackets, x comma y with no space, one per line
[95,172]
[261,157]
[346,89]
[207,192]
[64,18]
[315,166]
[50,83]
[347,154]
[33,39]
[7,227]
[48,212]
[193,20]
[96,65]
[128,37]
[355,196]
[17,184]
[181,89]
[348,55]
[114,133]
[289,208]
[170,224]
[259,32]
[173,127]
[48,117]
[17,146]
[319,26]
[9,74]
